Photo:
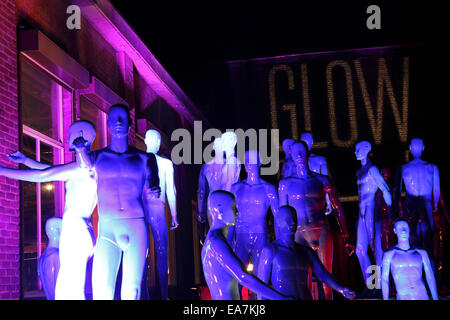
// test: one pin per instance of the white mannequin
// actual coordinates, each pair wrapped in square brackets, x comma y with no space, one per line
[156,214]
[77,237]
[48,266]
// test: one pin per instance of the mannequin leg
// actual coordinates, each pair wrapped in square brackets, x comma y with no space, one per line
[362,243]
[75,248]
[105,265]
[158,226]
[134,243]
[325,253]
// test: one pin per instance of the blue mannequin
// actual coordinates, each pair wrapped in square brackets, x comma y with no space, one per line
[285,264]
[126,177]
[48,265]
[306,191]
[222,269]
[422,184]
[406,264]
[254,197]
[369,180]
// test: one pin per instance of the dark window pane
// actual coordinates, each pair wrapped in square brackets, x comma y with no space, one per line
[90,112]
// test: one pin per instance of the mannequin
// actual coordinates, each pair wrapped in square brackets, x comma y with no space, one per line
[285,264]
[406,264]
[210,179]
[306,193]
[421,180]
[222,269]
[383,216]
[253,197]
[316,163]
[288,165]
[48,265]
[77,240]
[232,169]
[156,215]
[369,181]
[218,174]
[126,177]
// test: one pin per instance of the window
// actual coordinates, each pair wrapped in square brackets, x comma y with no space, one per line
[42,99]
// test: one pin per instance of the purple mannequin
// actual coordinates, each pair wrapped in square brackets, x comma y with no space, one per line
[306,192]
[222,269]
[286,264]
[406,265]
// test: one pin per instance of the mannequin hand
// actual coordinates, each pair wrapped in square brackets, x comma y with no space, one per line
[349,247]
[174,223]
[79,143]
[349,294]
[329,209]
[17,157]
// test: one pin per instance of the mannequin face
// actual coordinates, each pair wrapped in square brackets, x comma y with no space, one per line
[287,220]
[81,129]
[299,153]
[401,229]
[222,207]
[118,122]
[287,145]
[416,147]
[153,141]
[252,161]
[308,139]
[229,140]
[362,149]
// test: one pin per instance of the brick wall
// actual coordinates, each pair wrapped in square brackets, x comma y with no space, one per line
[9,142]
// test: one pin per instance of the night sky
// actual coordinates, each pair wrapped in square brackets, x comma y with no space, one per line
[192,38]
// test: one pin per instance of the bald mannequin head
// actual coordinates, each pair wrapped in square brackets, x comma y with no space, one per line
[308,139]
[286,220]
[222,207]
[362,149]
[287,144]
[299,151]
[53,228]
[152,141]
[83,129]
[416,147]
[229,141]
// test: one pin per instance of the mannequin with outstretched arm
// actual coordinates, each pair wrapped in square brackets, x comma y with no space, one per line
[77,237]
[222,269]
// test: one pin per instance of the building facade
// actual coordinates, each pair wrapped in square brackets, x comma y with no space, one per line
[62,61]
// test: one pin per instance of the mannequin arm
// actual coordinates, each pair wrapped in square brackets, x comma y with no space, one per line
[381,184]
[429,274]
[265,266]
[152,189]
[385,270]
[326,277]
[282,193]
[19,157]
[232,264]
[171,192]
[436,188]
[272,194]
[56,173]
